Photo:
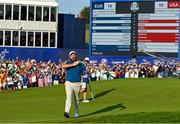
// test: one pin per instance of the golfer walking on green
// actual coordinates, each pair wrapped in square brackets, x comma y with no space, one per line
[74,69]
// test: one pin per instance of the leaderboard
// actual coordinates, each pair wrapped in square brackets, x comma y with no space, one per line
[126,28]
[159,32]
[111,32]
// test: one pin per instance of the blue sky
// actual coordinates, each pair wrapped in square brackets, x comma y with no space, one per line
[72,6]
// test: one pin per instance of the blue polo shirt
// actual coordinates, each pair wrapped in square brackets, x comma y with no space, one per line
[73,74]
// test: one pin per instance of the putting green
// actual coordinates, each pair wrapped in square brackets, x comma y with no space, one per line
[123,100]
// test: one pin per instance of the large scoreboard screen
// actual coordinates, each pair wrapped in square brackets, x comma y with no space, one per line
[130,27]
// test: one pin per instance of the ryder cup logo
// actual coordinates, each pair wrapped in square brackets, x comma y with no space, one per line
[134,6]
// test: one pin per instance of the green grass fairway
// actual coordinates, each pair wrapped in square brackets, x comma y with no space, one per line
[124,100]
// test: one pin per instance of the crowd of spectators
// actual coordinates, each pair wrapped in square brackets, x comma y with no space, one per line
[18,74]
[133,70]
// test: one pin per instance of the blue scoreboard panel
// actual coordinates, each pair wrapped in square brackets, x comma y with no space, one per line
[130,27]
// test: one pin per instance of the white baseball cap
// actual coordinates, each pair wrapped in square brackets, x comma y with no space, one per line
[72,52]
[86,59]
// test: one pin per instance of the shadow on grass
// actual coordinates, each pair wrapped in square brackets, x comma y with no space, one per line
[107,109]
[103,93]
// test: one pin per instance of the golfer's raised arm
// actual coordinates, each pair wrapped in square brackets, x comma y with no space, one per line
[70,65]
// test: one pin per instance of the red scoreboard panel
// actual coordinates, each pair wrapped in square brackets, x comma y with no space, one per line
[159,32]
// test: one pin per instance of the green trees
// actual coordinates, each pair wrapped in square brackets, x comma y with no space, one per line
[85,13]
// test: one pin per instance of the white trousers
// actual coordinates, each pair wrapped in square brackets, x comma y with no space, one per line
[56,82]
[72,89]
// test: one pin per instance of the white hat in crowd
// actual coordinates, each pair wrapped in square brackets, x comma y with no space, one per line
[86,59]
